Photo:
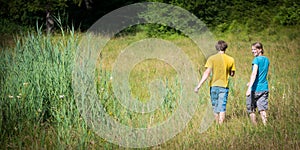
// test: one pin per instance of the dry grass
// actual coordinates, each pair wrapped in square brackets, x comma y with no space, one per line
[64,128]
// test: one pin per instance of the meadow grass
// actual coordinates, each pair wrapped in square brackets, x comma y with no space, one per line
[38,109]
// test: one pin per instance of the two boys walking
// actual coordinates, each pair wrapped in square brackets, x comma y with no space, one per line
[221,66]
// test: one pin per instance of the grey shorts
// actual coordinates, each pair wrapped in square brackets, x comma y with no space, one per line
[257,100]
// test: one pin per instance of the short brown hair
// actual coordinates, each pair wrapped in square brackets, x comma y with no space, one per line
[221,45]
[258,45]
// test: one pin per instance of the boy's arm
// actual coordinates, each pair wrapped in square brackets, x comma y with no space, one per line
[252,79]
[232,73]
[232,70]
[203,79]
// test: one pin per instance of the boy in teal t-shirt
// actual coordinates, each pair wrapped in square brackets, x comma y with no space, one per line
[261,83]
[258,90]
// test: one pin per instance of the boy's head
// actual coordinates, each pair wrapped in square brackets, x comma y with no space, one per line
[221,45]
[258,46]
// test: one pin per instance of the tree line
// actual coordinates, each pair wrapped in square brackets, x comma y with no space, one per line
[255,14]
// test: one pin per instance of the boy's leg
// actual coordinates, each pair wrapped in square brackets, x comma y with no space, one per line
[262,105]
[214,95]
[263,115]
[219,100]
[251,105]
[221,117]
[217,118]
[223,96]
[253,118]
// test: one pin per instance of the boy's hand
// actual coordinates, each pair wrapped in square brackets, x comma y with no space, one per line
[248,92]
[196,89]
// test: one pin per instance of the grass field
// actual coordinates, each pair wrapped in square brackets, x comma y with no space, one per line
[38,107]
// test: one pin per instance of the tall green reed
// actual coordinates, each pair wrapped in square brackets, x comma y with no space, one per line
[38,110]
[36,86]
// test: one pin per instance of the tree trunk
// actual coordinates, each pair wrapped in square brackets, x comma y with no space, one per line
[49,22]
[88,3]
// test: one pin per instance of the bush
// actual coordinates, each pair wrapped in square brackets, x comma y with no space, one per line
[288,15]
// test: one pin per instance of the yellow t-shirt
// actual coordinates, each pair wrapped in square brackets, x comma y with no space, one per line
[221,65]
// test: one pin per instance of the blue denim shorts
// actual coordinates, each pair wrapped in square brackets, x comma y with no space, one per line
[218,96]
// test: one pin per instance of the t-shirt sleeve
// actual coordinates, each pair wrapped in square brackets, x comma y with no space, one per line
[208,63]
[255,61]
[233,66]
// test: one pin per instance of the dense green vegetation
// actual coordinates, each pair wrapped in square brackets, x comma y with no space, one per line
[38,108]
[18,15]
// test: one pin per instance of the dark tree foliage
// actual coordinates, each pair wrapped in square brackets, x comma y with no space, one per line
[256,14]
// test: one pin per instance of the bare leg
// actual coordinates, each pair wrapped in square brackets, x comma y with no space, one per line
[253,118]
[217,118]
[221,117]
[263,115]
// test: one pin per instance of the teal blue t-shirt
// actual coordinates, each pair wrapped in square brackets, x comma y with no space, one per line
[261,83]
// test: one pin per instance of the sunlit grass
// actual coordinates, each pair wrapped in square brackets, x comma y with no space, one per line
[38,109]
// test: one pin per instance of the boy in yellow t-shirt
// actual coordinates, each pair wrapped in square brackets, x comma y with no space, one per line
[221,66]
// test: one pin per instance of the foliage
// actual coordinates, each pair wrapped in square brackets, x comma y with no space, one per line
[251,16]
[26,12]
[255,14]
[288,14]
[9,27]
[36,84]
[38,109]
[169,19]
